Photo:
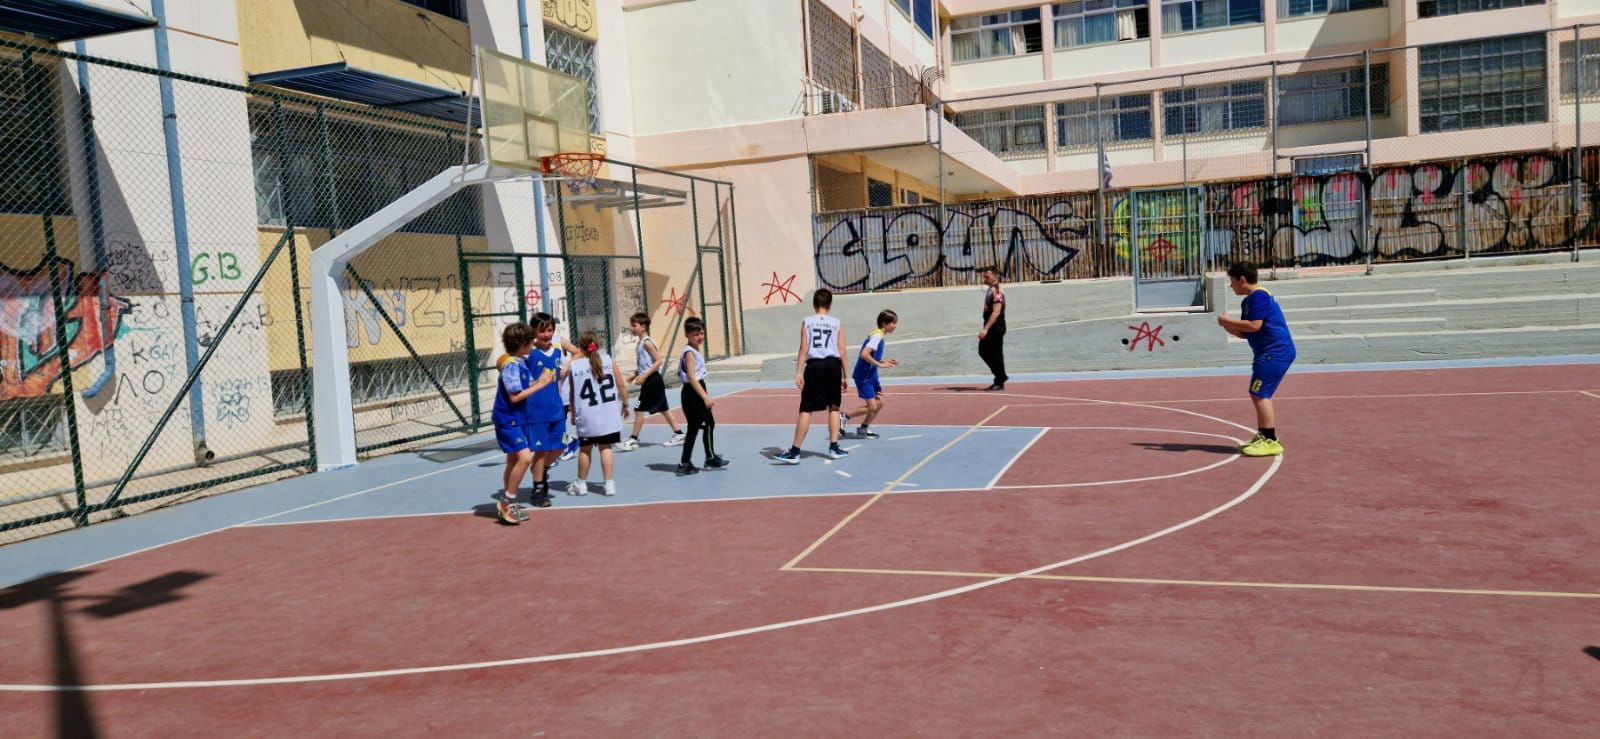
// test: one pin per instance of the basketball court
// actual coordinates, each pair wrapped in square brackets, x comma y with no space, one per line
[1085,554]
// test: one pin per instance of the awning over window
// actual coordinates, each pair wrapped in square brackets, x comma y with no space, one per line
[343,82]
[64,20]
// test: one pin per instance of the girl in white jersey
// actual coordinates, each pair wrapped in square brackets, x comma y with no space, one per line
[696,399]
[599,403]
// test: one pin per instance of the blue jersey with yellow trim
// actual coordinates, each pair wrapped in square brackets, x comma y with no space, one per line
[864,369]
[1273,341]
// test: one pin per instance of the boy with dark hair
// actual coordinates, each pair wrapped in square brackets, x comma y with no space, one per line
[696,399]
[1261,323]
[517,383]
[992,337]
[819,373]
[868,386]
[649,362]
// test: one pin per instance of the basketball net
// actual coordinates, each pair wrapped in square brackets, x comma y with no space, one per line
[580,168]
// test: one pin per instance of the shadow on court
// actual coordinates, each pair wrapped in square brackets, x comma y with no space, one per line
[1592,652]
[1178,446]
[457,453]
[74,716]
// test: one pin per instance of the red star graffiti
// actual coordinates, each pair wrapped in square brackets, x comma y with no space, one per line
[1143,332]
[676,303]
[779,289]
[1161,248]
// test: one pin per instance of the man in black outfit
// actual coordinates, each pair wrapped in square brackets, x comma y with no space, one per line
[991,339]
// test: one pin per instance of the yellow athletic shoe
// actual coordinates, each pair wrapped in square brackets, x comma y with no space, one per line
[1254,439]
[1262,447]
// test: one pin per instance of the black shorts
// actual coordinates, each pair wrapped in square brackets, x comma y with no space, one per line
[652,395]
[611,438]
[694,409]
[822,378]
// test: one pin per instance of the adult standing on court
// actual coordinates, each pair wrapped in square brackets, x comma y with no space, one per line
[992,337]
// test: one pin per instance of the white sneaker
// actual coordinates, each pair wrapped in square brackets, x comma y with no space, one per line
[568,456]
[676,440]
[610,488]
[627,445]
[578,487]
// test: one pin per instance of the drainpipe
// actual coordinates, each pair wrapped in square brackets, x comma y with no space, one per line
[538,183]
[97,228]
[180,237]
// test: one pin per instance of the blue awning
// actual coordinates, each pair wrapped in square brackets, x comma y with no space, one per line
[64,20]
[343,82]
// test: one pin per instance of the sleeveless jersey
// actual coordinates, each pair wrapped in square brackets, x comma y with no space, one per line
[822,336]
[642,355]
[546,404]
[699,365]
[595,400]
[866,370]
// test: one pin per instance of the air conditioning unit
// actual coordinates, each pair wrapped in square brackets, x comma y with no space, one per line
[833,102]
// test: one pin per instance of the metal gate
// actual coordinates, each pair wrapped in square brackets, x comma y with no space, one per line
[1168,228]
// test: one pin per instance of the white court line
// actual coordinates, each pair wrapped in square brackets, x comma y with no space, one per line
[1586,392]
[842,473]
[852,447]
[1078,401]
[1015,457]
[653,646]
[913,436]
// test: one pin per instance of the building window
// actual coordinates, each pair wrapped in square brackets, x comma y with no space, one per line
[1317,97]
[879,194]
[1007,131]
[1235,106]
[1482,83]
[910,197]
[1088,22]
[454,8]
[569,54]
[1301,8]
[1327,165]
[1436,8]
[1122,118]
[359,167]
[32,168]
[1591,68]
[996,36]
[383,380]
[1178,16]
[919,12]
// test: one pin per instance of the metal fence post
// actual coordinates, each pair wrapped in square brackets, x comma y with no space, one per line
[1366,159]
[281,144]
[1575,181]
[1463,230]
[1100,166]
[469,340]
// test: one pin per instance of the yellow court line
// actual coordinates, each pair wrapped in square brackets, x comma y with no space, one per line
[1206,583]
[886,489]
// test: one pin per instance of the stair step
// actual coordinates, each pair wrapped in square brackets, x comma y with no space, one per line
[1302,301]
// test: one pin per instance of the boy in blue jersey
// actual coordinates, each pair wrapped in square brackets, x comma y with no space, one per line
[868,361]
[1261,323]
[517,383]
[545,411]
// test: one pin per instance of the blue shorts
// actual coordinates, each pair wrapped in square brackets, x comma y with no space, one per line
[1265,374]
[513,439]
[546,436]
[868,387]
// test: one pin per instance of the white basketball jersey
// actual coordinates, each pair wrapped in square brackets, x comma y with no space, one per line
[699,365]
[595,399]
[642,356]
[822,336]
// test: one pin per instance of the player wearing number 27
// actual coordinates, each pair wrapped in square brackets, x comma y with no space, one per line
[819,373]
[599,403]
[1261,323]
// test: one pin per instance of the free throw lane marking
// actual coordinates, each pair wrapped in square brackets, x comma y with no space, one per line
[1214,583]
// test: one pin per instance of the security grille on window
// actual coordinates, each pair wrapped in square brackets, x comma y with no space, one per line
[1591,68]
[1008,131]
[910,197]
[1328,165]
[879,194]
[1335,95]
[1299,8]
[1436,8]
[1239,105]
[1122,118]
[1178,16]
[1087,22]
[997,35]
[569,54]
[1481,83]
[453,8]
[30,156]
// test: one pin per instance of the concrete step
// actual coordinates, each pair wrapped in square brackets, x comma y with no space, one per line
[739,368]
[1302,301]
[1469,313]
[1368,325]
[1484,282]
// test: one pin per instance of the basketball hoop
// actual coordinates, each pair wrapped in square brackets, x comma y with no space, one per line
[579,167]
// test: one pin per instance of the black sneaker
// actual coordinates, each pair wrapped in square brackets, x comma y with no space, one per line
[684,468]
[540,501]
[862,432]
[716,463]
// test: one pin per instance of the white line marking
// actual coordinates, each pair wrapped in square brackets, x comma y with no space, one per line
[1286,397]
[903,438]
[852,447]
[653,646]
[842,473]
[1003,470]
[1586,392]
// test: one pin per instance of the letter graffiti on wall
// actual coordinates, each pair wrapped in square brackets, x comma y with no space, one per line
[31,339]
[873,251]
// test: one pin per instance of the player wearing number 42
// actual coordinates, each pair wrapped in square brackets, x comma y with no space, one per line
[599,403]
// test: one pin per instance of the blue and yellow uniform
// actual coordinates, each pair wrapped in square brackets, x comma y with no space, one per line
[510,416]
[545,412]
[865,373]
[1272,345]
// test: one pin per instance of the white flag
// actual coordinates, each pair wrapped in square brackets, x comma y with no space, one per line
[1105,171]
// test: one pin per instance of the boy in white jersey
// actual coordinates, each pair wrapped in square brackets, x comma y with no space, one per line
[652,389]
[696,399]
[819,373]
[599,403]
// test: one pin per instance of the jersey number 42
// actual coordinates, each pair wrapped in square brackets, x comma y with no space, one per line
[607,394]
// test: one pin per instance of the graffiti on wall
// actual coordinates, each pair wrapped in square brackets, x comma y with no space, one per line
[783,290]
[874,251]
[31,339]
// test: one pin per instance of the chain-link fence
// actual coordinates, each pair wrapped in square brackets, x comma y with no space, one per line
[1308,162]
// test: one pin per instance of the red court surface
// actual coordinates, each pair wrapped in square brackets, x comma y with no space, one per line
[1422,562]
